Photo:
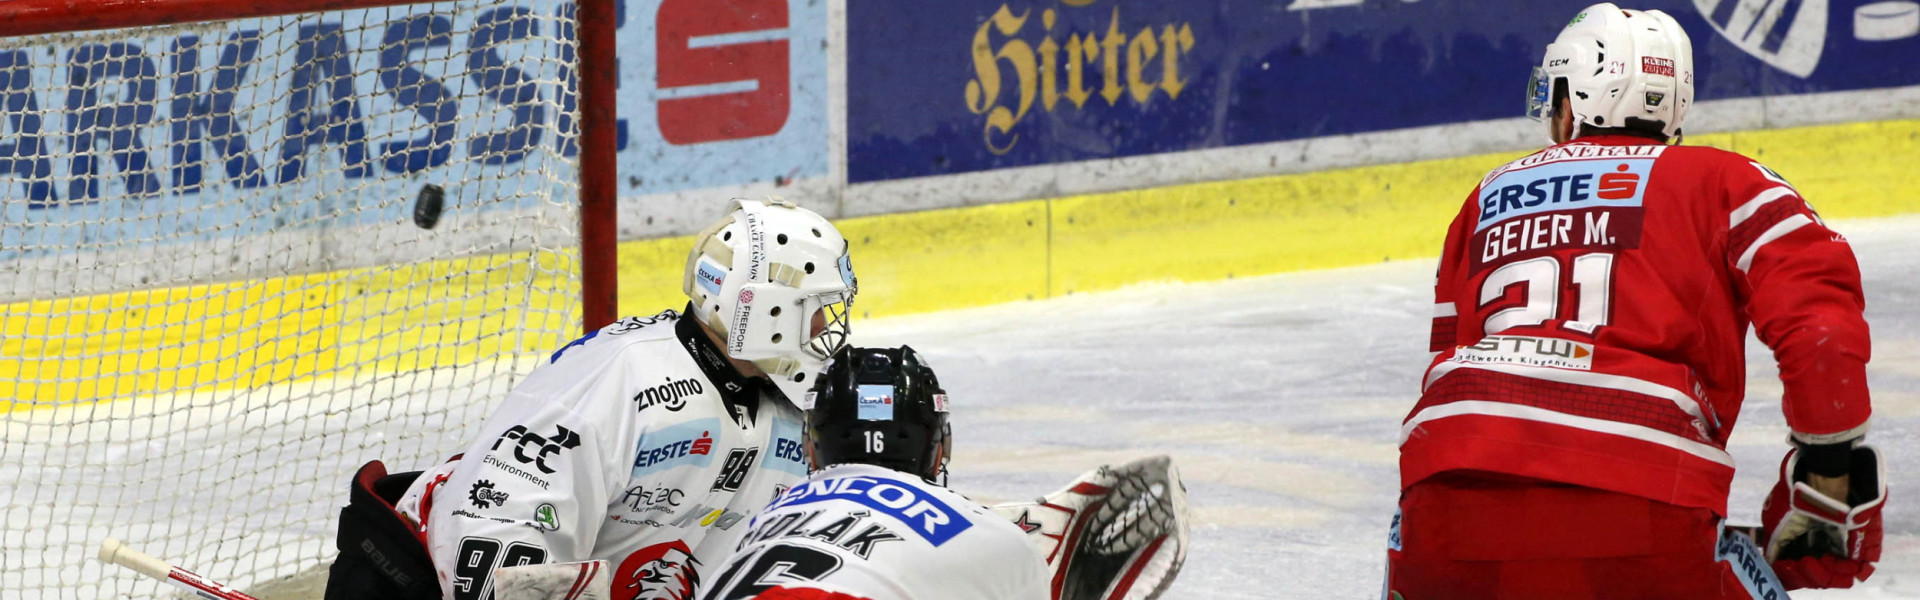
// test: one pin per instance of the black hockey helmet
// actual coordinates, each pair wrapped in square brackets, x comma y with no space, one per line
[879,406]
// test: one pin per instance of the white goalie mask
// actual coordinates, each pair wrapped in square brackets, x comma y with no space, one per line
[760,275]
[1618,66]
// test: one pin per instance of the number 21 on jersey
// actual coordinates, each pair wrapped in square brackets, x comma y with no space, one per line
[1531,291]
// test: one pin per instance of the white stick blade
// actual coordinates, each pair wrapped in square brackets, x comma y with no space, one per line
[114,552]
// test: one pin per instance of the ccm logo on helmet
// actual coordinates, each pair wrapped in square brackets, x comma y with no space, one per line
[922,513]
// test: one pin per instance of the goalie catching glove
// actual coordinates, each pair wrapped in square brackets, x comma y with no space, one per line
[1115,533]
[1815,541]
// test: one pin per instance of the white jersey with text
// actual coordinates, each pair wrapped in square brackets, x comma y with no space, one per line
[881,534]
[638,444]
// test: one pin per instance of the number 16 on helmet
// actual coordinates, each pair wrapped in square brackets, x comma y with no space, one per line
[879,406]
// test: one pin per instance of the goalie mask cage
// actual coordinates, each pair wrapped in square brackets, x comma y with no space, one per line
[225,282]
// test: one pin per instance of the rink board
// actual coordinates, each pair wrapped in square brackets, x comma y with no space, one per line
[908,263]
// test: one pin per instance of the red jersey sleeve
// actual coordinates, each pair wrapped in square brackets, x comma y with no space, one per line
[1799,283]
[1447,278]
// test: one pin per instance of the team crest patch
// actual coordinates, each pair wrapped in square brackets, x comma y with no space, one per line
[663,571]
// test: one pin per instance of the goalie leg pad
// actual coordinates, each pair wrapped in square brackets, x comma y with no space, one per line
[380,557]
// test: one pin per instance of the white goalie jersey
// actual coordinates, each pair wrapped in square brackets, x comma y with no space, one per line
[881,534]
[638,444]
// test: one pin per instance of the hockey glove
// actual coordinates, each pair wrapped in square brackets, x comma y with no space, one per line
[379,555]
[1815,541]
[1115,533]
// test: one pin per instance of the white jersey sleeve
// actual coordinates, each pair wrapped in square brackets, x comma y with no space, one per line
[622,446]
[882,535]
[528,491]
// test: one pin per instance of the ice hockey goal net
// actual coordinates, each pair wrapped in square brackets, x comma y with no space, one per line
[248,246]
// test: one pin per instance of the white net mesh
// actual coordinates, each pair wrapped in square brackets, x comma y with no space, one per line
[217,300]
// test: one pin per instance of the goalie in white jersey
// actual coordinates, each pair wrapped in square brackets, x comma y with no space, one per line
[871,523]
[646,444]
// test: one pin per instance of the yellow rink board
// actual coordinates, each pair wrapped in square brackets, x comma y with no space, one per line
[286,329]
[254,333]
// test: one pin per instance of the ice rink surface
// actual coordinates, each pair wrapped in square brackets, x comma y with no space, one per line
[1281,398]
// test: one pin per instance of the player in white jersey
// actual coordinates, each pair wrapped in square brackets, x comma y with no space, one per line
[647,444]
[871,523]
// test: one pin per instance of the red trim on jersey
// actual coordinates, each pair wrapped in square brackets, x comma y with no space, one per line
[1564,454]
[787,593]
[1652,412]
[426,502]
[1443,333]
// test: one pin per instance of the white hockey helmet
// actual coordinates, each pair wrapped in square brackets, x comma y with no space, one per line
[1620,68]
[759,275]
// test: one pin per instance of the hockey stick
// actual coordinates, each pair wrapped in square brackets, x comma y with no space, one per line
[114,552]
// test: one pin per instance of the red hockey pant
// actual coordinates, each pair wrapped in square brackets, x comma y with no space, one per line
[1498,538]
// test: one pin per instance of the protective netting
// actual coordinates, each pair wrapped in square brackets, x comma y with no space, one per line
[217,299]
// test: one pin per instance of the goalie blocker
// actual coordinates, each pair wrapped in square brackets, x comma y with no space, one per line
[381,556]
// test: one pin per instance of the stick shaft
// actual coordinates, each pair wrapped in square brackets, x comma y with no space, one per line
[114,552]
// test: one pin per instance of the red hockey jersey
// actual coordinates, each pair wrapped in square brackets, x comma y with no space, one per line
[1591,312]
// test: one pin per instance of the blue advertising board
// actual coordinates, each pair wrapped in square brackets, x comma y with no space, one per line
[336,119]
[971,85]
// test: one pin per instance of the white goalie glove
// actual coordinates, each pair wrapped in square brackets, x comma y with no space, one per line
[1115,533]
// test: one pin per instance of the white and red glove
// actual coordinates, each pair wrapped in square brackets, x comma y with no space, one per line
[1815,541]
[1115,533]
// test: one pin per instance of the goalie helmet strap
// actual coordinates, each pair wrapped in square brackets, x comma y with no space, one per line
[741,394]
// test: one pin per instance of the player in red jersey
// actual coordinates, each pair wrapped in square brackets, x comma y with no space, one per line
[1591,310]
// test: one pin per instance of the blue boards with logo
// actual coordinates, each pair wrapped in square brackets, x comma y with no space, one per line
[973,85]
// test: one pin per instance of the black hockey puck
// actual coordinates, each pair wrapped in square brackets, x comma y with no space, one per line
[426,206]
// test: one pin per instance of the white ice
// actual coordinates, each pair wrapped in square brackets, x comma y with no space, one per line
[1280,398]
